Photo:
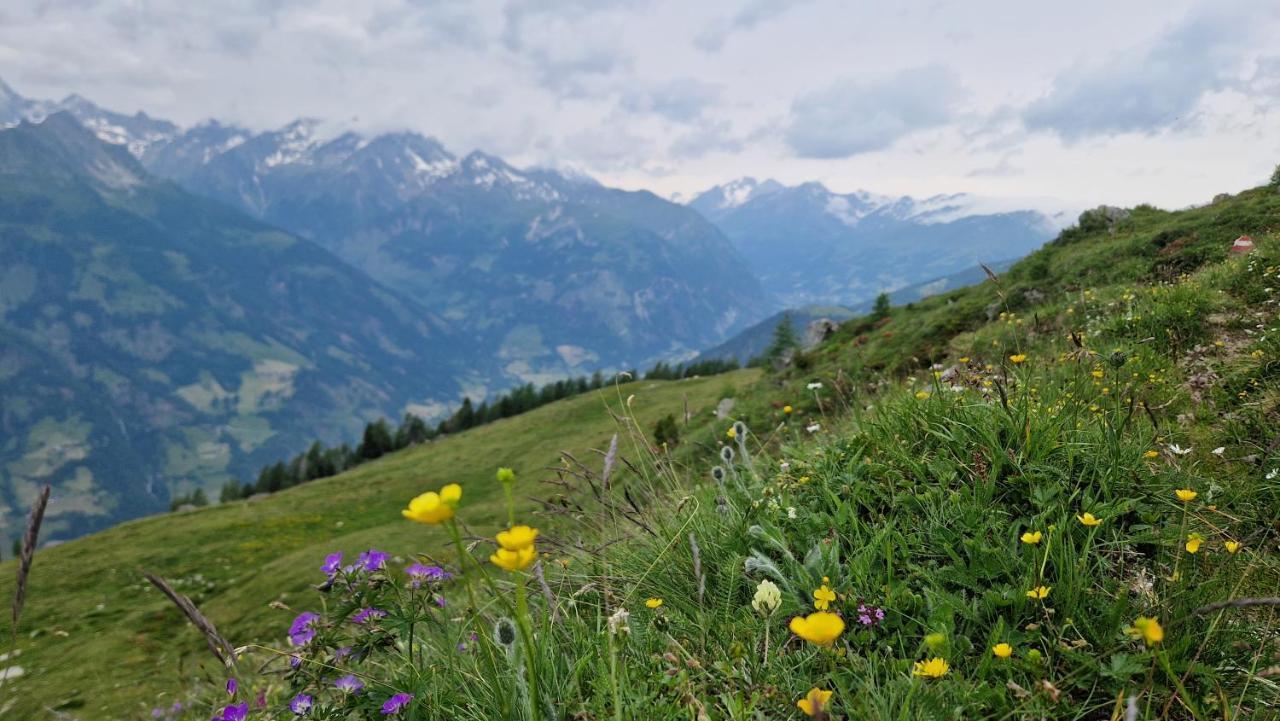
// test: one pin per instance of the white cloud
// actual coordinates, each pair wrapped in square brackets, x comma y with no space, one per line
[1073,100]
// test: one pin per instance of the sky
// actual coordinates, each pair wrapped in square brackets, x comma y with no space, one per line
[1085,102]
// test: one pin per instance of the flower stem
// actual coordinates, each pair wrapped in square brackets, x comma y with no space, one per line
[530,659]
[462,556]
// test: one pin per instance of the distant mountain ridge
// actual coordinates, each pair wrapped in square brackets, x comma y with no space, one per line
[810,245]
[153,342]
[754,341]
[549,271]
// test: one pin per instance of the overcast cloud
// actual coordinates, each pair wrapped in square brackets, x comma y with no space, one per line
[1089,101]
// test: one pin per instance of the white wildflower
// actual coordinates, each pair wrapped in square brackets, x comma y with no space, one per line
[1271,474]
[767,598]
[791,513]
[814,428]
[815,386]
[1219,450]
[1178,450]
[618,622]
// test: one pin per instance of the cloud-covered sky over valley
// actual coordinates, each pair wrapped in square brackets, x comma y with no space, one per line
[1089,101]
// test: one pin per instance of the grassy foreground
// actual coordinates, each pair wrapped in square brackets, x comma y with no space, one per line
[98,642]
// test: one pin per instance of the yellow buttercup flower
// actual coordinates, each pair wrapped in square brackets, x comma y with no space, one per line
[653,602]
[1148,629]
[1088,519]
[1232,546]
[921,395]
[1002,650]
[514,560]
[963,359]
[1039,593]
[1193,542]
[1186,495]
[1097,373]
[820,628]
[1032,538]
[823,597]
[731,433]
[814,702]
[933,668]
[787,410]
[433,508]
[517,538]
[1151,454]
[1017,358]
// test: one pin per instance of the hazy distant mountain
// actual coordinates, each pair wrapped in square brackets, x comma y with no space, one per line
[152,341]
[753,341]
[550,272]
[810,245]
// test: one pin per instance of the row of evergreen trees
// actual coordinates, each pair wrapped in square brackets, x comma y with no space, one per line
[380,438]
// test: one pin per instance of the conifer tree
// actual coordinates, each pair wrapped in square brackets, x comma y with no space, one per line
[882,306]
[784,338]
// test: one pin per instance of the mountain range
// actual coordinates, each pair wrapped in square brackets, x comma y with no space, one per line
[155,342]
[550,273]
[810,245]
[180,306]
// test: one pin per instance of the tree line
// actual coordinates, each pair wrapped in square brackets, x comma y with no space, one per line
[380,437]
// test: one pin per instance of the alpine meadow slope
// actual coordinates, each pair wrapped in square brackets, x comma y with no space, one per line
[1052,495]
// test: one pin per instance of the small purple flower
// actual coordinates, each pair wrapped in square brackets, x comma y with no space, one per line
[372,559]
[440,601]
[332,563]
[176,708]
[341,653]
[366,615]
[231,687]
[157,712]
[301,704]
[295,661]
[261,700]
[349,684]
[302,630]
[864,619]
[395,703]
[233,712]
[419,573]
[879,614]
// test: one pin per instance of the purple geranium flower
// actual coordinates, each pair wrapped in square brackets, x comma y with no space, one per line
[295,661]
[233,712]
[332,563]
[341,652]
[372,559]
[302,630]
[349,684]
[231,687]
[395,703]
[419,573]
[301,704]
[366,615]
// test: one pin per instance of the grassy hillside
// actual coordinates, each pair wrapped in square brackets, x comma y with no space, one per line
[98,642]
[1053,495]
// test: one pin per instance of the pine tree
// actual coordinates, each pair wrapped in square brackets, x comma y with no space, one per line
[377,440]
[882,306]
[784,338]
[1275,178]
